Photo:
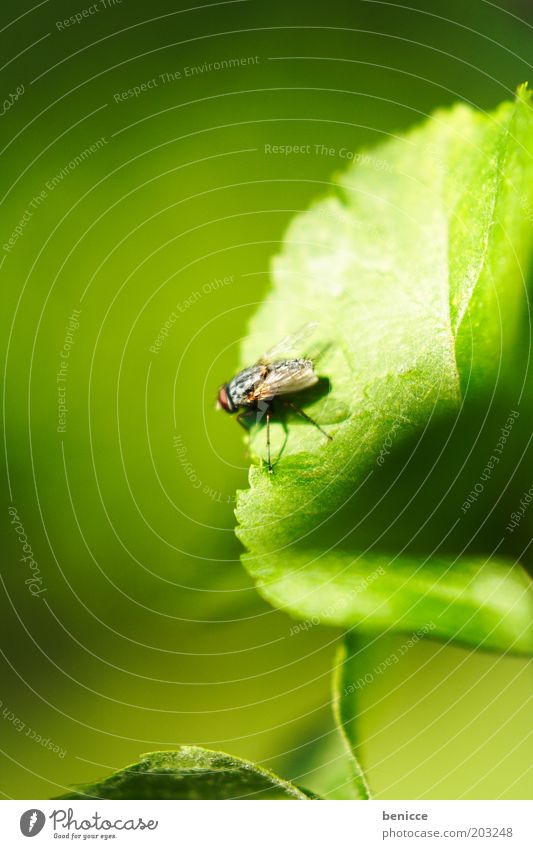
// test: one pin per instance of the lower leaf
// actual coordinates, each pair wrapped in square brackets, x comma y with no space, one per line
[190,772]
[486,603]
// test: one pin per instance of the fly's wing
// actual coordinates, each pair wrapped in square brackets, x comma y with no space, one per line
[295,343]
[285,378]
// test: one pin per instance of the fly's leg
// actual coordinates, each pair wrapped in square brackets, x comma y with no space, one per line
[307,418]
[263,409]
[247,414]
[268,413]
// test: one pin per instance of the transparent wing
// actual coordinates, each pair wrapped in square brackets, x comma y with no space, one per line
[286,378]
[295,343]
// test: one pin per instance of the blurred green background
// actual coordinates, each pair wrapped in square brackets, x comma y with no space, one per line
[150,634]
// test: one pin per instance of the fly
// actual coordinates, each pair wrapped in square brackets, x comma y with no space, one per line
[254,389]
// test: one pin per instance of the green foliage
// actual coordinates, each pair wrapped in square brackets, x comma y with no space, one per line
[190,773]
[414,268]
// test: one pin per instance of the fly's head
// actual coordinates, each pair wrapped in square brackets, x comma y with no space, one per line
[224,401]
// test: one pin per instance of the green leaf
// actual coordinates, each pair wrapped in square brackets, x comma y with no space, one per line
[471,601]
[345,716]
[414,270]
[190,773]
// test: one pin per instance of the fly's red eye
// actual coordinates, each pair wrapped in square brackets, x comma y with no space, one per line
[223,399]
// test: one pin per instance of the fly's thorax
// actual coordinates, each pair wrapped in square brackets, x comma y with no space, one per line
[243,383]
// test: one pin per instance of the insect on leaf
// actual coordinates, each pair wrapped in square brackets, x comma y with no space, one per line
[415,272]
